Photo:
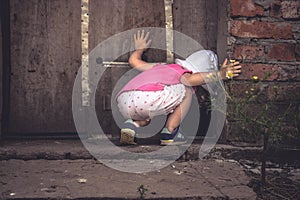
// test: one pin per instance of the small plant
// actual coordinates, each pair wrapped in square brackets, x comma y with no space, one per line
[256,107]
[259,111]
[142,191]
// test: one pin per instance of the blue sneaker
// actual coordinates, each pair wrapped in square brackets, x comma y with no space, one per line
[128,133]
[174,138]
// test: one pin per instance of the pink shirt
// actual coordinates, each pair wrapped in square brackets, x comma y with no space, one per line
[156,78]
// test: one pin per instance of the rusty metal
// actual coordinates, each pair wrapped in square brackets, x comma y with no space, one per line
[119,64]
[85,52]
[169,30]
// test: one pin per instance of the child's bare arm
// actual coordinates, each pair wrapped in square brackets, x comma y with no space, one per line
[194,79]
[141,43]
[200,78]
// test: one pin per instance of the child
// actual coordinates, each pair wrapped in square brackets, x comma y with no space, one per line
[165,89]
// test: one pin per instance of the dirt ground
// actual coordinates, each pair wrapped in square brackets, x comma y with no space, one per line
[282,171]
[73,179]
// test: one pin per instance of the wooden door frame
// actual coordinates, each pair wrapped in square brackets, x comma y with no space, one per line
[222,35]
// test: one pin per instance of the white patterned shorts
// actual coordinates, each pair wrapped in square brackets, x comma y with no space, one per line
[144,105]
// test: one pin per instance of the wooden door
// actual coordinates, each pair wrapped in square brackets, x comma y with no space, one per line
[45,56]
[45,45]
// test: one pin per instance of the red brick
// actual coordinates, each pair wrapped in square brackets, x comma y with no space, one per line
[248,52]
[290,9]
[246,8]
[287,73]
[275,10]
[269,72]
[297,51]
[258,29]
[238,132]
[284,92]
[281,52]
[241,90]
[266,72]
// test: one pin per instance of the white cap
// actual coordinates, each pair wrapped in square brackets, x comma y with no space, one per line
[200,61]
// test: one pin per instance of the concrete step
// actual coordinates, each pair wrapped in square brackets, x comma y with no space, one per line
[74,149]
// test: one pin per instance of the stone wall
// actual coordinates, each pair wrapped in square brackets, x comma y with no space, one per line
[265,36]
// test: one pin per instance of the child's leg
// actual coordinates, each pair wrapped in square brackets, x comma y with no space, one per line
[131,107]
[175,118]
[142,123]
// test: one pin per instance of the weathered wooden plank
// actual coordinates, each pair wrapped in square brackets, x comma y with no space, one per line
[45,57]
[189,18]
[109,17]
[212,23]
[118,73]
[222,30]
[1,80]
[5,69]
[105,101]
[198,20]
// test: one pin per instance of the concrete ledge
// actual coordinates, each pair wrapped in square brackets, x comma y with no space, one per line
[74,149]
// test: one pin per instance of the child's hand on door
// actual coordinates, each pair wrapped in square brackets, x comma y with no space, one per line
[141,41]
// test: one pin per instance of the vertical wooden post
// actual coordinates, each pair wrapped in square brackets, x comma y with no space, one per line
[222,33]
[169,30]
[85,52]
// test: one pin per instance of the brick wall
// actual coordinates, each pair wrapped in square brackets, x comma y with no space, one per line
[265,35]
